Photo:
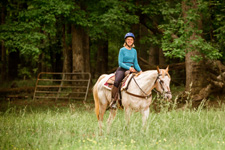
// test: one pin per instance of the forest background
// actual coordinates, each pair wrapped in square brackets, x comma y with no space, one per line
[85,36]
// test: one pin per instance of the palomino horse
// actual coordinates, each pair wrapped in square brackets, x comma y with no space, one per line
[137,97]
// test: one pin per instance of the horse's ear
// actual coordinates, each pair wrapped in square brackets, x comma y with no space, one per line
[167,69]
[158,69]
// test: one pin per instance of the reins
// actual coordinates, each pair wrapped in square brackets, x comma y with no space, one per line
[146,96]
[140,96]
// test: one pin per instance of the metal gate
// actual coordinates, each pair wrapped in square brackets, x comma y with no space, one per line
[56,86]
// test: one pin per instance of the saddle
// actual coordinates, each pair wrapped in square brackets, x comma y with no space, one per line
[110,81]
[124,84]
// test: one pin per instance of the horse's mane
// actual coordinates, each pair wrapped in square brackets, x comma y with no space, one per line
[152,73]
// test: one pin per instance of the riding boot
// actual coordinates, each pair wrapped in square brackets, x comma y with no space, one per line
[114,97]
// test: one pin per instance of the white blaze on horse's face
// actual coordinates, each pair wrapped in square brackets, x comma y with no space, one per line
[163,83]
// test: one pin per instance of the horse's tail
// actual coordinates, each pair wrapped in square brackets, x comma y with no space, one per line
[95,94]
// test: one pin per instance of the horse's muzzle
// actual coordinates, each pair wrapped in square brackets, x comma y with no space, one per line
[168,95]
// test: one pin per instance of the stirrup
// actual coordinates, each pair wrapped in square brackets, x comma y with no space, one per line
[112,105]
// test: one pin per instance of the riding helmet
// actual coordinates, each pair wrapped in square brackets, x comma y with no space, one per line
[129,34]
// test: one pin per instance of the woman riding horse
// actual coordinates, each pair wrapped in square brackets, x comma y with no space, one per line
[127,61]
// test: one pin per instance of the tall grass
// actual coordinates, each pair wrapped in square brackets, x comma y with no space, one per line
[73,127]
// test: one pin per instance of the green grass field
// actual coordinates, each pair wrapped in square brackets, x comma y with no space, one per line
[42,125]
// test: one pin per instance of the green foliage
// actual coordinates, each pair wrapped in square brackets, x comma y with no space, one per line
[24,73]
[111,19]
[186,29]
[218,22]
[35,27]
[28,28]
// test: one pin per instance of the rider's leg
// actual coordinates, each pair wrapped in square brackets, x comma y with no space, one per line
[114,96]
[115,90]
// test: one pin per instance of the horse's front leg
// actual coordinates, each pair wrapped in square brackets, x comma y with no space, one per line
[145,114]
[127,115]
[111,118]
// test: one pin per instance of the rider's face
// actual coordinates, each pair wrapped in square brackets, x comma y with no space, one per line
[129,41]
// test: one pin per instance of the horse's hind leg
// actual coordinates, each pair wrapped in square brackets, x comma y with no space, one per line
[102,109]
[111,118]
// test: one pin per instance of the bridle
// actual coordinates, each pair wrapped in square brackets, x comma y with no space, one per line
[161,82]
[146,96]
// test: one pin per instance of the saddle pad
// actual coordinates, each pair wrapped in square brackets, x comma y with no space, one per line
[110,81]
[126,81]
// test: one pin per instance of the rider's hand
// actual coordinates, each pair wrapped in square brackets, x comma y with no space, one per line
[132,69]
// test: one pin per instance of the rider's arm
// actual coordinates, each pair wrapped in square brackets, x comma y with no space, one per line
[136,65]
[121,59]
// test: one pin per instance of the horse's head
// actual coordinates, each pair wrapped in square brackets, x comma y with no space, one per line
[163,83]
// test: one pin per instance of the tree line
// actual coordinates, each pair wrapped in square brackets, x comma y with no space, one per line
[75,35]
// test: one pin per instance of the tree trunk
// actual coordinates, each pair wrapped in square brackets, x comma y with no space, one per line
[86,52]
[162,59]
[77,49]
[195,71]
[39,63]
[215,80]
[153,55]
[3,65]
[67,59]
[142,48]
[14,60]
[80,52]
[3,62]
[102,58]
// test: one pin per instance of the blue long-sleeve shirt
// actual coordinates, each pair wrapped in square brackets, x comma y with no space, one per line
[128,58]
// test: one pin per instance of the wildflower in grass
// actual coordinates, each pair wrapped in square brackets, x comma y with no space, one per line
[164,139]
[132,141]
